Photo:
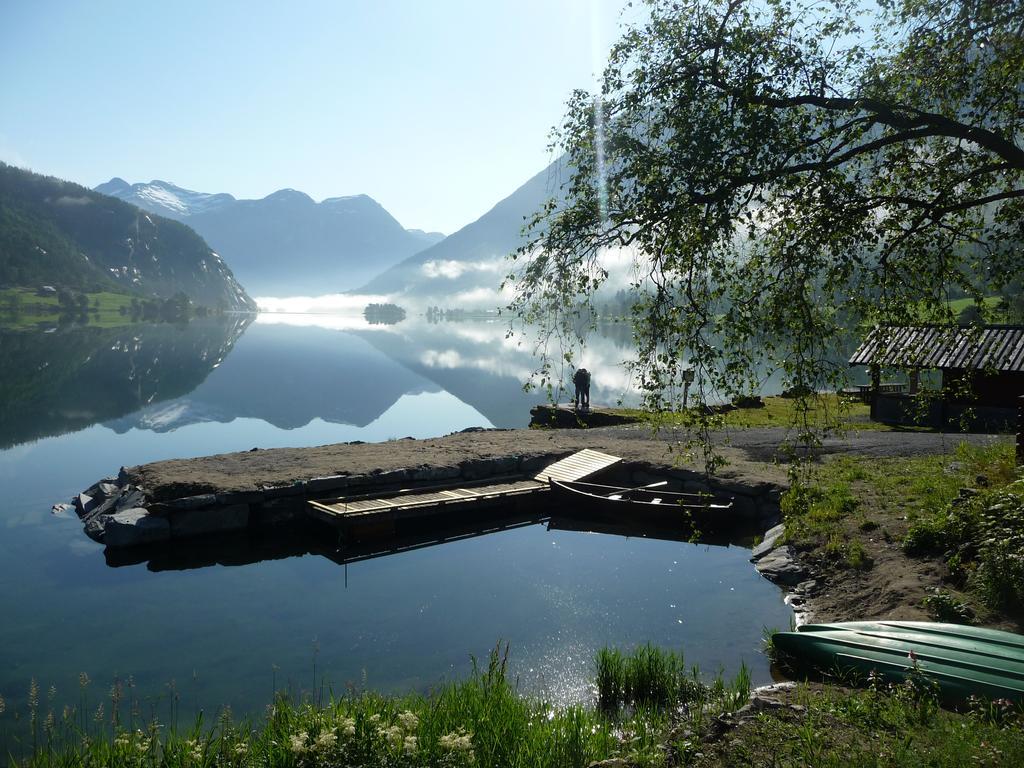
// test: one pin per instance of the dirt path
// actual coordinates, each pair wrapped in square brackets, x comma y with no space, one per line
[751,454]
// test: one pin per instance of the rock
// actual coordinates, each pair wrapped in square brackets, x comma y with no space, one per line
[612,762]
[196,522]
[768,543]
[94,527]
[61,510]
[106,491]
[193,502]
[285,491]
[328,483]
[781,567]
[434,474]
[132,527]
[130,497]
[84,504]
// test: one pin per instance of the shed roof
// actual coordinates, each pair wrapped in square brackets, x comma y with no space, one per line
[990,347]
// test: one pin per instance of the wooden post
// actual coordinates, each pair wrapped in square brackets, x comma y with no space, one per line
[876,384]
[1020,431]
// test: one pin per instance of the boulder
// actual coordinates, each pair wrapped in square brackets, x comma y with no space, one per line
[768,543]
[781,567]
[132,527]
[84,504]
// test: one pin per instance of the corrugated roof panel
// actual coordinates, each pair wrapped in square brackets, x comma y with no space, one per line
[1000,347]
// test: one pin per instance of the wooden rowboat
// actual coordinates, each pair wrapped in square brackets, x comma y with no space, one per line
[962,661]
[649,502]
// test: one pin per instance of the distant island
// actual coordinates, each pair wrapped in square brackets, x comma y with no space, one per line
[383,314]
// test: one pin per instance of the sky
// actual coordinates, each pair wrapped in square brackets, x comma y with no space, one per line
[437,109]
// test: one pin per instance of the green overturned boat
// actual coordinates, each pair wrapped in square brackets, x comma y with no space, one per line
[963,661]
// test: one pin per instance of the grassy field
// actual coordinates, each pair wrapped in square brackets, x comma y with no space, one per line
[22,308]
[827,411]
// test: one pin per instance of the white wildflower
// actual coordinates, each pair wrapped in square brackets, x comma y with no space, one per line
[374,719]
[459,741]
[409,745]
[347,726]
[299,741]
[409,721]
[241,749]
[326,740]
[194,749]
[393,735]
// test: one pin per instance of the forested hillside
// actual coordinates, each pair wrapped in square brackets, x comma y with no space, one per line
[59,233]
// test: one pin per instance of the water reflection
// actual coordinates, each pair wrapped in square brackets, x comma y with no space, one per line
[311,537]
[285,370]
[65,379]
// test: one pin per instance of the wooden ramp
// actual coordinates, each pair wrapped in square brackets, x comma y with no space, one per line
[416,502]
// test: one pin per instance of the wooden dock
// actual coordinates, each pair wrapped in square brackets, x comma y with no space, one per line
[371,509]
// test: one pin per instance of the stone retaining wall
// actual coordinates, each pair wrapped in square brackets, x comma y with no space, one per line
[118,513]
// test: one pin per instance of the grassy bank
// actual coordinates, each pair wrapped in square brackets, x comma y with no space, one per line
[828,411]
[956,521]
[651,711]
[482,721]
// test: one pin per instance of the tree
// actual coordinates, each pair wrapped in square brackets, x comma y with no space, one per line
[782,172]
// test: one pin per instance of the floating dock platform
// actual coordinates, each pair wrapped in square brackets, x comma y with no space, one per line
[367,512]
[504,471]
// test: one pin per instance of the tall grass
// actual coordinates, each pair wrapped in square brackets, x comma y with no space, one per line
[481,721]
[654,678]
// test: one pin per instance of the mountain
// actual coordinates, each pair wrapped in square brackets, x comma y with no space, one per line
[472,259]
[286,243]
[164,198]
[53,231]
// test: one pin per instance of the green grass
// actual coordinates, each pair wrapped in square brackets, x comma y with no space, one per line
[21,308]
[827,411]
[891,726]
[482,721]
[656,713]
[651,677]
[833,505]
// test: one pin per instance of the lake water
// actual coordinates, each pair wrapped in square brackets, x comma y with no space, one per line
[77,403]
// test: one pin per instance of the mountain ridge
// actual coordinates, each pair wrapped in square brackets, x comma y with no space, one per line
[472,258]
[56,231]
[286,243]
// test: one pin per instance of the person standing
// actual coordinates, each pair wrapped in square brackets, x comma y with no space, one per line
[581,379]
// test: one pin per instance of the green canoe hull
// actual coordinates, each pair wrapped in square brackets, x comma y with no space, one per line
[963,661]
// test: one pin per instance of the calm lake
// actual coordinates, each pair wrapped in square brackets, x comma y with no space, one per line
[77,403]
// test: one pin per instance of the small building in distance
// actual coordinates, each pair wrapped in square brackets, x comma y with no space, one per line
[979,372]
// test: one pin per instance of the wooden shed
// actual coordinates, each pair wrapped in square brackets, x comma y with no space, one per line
[980,369]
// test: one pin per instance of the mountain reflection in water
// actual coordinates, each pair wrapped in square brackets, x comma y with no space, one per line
[284,370]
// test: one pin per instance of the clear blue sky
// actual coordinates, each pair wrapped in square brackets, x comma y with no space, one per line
[436,108]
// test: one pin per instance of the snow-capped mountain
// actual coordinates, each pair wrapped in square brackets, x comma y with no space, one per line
[165,198]
[286,243]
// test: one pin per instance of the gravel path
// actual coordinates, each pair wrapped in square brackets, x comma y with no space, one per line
[751,454]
